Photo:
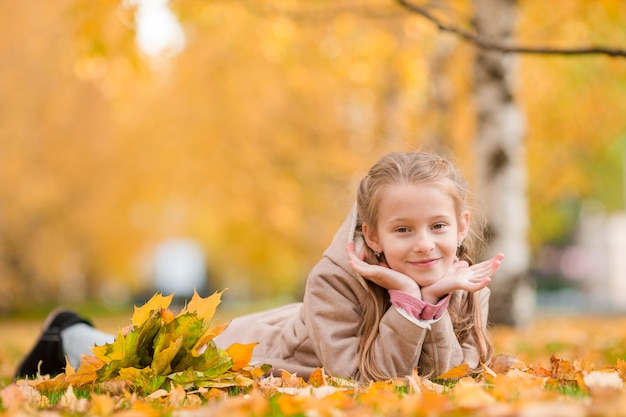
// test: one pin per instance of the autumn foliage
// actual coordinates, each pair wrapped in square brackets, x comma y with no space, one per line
[251,138]
[165,362]
[160,349]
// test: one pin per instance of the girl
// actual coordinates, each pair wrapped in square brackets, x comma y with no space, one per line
[394,291]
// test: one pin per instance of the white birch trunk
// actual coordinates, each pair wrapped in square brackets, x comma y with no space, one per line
[501,169]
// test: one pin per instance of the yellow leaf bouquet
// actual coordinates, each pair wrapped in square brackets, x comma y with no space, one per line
[161,349]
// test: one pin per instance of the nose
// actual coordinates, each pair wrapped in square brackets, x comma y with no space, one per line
[423,243]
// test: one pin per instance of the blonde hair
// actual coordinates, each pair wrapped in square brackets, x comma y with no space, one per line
[418,168]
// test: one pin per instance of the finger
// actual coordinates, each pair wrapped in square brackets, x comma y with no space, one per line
[350,247]
[481,284]
[488,265]
[496,259]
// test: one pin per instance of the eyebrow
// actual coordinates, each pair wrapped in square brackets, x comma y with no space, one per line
[435,217]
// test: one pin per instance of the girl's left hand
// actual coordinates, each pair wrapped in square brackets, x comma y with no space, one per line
[461,276]
[381,274]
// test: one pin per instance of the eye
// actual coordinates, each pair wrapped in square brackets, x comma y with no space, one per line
[439,226]
[402,229]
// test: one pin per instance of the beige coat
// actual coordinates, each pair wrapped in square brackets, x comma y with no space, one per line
[322,331]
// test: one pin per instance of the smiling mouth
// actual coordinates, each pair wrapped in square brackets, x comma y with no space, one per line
[426,263]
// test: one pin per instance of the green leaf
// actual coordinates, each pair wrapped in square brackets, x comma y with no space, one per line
[163,360]
[122,353]
[145,379]
[146,333]
[212,361]
[186,327]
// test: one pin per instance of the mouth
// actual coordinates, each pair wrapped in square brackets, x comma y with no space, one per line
[425,263]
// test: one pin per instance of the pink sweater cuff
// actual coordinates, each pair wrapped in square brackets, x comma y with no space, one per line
[417,308]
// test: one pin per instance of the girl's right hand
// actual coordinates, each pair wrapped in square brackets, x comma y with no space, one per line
[381,274]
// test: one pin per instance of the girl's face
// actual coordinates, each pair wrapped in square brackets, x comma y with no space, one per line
[417,230]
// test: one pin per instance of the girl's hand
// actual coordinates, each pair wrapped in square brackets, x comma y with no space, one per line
[461,276]
[381,274]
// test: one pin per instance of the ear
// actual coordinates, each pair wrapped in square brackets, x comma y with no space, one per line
[371,238]
[463,227]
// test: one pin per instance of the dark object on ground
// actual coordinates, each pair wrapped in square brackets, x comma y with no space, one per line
[46,357]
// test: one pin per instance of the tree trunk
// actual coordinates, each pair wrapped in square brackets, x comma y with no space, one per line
[501,169]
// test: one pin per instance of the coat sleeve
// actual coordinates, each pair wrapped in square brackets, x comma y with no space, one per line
[332,311]
[442,350]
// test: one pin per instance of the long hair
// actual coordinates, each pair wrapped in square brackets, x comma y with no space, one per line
[418,168]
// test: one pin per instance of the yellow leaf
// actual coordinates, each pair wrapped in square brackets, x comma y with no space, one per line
[516,385]
[69,369]
[470,394]
[293,404]
[204,307]
[621,367]
[381,386]
[162,361]
[291,380]
[455,373]
[81,379]
[130,374]
[208,335]
[562,370]
[167,315]
[54,384]
[241,354]
[317,378]
[143,409]
[101,405]
[157,302]
[88,364]
[256,372]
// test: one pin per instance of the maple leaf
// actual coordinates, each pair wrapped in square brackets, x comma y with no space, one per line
[101,405]
[145,336]
[146,379]
[120,350]
[620,367]
[86,372]
[562,369]
[162,363]
[159,348]
[241,354]
[204,307]
[318,378]
[208,335]
[290,405]
[156,303]
[456,372]
[186,327]
[470,394]
[211,360]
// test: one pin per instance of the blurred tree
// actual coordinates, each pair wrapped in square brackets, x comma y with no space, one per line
[251,138]
[501,163]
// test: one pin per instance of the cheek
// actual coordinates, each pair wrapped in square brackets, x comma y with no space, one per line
[394,255]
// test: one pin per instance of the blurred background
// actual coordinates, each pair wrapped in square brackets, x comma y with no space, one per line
[217,144]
